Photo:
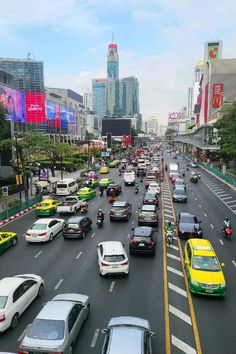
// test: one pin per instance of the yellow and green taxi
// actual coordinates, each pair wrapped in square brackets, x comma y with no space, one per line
[91,183]
[104,182]
[7,239]
[112,164]
[86,193]
[203,269]
[47,207]
[104,169]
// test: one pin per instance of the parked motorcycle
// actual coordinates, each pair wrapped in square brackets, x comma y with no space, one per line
[169,237]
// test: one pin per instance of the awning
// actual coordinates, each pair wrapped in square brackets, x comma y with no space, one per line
[42,184]
[53,179]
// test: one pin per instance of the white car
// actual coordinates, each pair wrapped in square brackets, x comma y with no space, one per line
[16,294]
[154,188]
[112,258]
[124,160]
[44,230]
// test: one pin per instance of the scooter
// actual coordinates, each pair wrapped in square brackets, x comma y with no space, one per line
[227,231]
[83,210]
[169,237]
[99,222]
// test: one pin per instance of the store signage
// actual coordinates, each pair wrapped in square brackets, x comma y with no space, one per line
[217,95]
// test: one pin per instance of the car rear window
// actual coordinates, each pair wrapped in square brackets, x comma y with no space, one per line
[47,329]
[142,238]
[72,226]
[38,227]
[62,185]
[150,195]
[114,258]
[179,191]
[3,301]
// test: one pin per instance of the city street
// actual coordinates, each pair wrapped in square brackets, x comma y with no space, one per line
[71,266]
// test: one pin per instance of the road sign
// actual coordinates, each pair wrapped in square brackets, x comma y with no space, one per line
[5,191]
[109,149]
[105,153]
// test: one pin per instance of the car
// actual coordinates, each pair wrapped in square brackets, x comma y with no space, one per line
[77,227]
[91,183]
[150,198]
[16,294]
[194,165]
[124,160]
[112,164]
[179,182]
[57,325]
[179,194]
[112,258]
[7,239]
[92,174]
[104,182]
[120,210]
[47,207]
[116,188]
[104,170]
[148,215]
[174,177]
[44,230]
[188,226]
[127,334]
[150,179]
[154,187]
[86,193]
[203,269]
[143,240]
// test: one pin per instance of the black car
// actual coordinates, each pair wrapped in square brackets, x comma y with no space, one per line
[77,227]
[179,194]
[141,172]
[143,240]
[188,226]
[150,198]
[148,216]
[116,188]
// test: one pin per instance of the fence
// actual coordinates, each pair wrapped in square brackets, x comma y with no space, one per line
[23,205]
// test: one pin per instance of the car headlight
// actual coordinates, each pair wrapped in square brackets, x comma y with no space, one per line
[222,285]
[193,282]
[199,232]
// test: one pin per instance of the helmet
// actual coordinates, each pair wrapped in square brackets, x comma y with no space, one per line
[226,218]
[100,210]
[169,223]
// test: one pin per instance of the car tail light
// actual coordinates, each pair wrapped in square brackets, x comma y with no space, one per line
[23,352]
[27,234]
[104,264]
[43,234]
[145,200]
[78,231]
[2,318]
[125,263]
[141,216]
[151,243]
[132,242]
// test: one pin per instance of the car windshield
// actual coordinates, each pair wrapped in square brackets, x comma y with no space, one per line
[179,192]
[38,227]
[3,301]
[210,264]
[114,258]
[150,195]
[45,204]
[60,185]
[47,329]
[188,219]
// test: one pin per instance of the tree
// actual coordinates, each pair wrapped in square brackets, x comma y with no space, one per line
[89,136]
[5,130]
[227,132]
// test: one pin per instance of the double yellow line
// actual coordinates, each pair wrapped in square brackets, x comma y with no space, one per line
[166,299]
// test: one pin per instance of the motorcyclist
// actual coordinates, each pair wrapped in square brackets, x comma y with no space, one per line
[169,227]
[101,191]
[100,215]
[84,205]
[226,223]
[136,186]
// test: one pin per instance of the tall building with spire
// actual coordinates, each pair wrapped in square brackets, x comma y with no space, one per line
[112,62]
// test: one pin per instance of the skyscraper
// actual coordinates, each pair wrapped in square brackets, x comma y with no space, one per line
[129,96]
[112,62]
[99,94]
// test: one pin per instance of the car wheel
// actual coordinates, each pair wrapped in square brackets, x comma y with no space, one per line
[14,320]
[14,241]
[40,291]
[51,237]
[111,219]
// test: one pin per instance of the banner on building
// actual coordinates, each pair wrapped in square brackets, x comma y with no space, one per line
[124,141]
[129,141]
[43,174]
[35,107]
[213,50]
[14,103]
[217,95]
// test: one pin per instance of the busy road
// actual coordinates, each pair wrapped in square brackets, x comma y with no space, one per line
[181,322]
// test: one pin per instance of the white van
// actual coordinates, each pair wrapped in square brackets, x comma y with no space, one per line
[173,168]
[129,178]
[66,186]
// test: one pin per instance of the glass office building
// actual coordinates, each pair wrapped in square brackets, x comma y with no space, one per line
[99,97]
[28,74]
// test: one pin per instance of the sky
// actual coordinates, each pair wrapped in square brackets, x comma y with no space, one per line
[159,42]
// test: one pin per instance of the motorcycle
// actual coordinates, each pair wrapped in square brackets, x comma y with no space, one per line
[169,237]
[141,179]
[99,222]
[136,190]
[227,231]
[83,209]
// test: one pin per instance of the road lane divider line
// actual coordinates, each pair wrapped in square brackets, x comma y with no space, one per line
[19,339]
[173,247]
[175,271]
[226,198]
[234,263]
[112,286]
[92,236]
[95,337]
[180,314]
[132,222]
[58,284]
[221,242]
[184,347]
[38,254]
[195,198]
[212,226]
[177,289]
[199,205]
[173,256]
[78,255]
[136,211]
[205,214]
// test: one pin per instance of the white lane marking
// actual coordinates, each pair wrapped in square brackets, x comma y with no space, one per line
[177,289]
[173,256]
[234,263]
[58,284]
[92,236]
[175,271]
[78,255]
[195,198]
[212,226]
[192,193]
[169,216]
[38,254]
[221,242]
[139,203]
[173,247]
[23,214]
[23,333]
[111,286]
[167,206]
[95,337]
[232,206]
[216,188]
[132,222]
[205,214]
[128,236]
[136,211]
[184,347]
[180,314]
[222,194]
[199,205]
[226,198]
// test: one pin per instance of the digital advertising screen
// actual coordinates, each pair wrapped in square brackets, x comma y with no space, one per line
[14,103]
[35,107]
[117,127]
[64,122]
[52,114]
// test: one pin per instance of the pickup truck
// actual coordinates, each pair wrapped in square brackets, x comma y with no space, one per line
[70,205]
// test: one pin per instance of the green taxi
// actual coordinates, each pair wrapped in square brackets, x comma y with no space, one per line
[112,164]
[104,182]
[86,193]
[91,183]
[7,239]
[47,207]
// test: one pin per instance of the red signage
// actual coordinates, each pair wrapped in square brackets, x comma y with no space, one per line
[124,141]
[217,95]
[35,107]
[129,140]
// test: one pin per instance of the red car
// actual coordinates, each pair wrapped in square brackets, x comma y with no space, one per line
[151,199]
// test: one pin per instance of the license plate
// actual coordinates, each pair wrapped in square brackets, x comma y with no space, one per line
[142,245]
[114,266]
[209,291]
[34,235]
[71,230]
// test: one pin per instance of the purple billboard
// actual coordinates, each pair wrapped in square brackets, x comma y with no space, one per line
[67,119]
[14,103]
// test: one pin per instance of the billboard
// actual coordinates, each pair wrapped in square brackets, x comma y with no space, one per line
[67,116]
[217,95]
[14,103]
[117,127]
[174,116]
[53,114]
[213,50]
[35,107]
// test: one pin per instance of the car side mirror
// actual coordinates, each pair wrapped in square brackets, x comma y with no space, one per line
[187,262]
[105,331]
[151,334]
[222,265]
[132,228]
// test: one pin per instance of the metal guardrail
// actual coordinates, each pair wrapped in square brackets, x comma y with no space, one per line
[17,208]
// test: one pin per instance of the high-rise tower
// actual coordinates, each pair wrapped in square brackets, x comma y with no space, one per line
[112,62]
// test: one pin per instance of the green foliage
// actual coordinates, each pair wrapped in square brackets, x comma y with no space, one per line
[169,131]
[227,131]
[5,130]
[13,202]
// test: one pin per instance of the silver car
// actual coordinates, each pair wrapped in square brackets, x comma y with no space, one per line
[57,325]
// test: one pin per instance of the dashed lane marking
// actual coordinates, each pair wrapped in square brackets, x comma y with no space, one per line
[111,286]
[78,255]
[136,211]
[221,242]
[184,347]
[195,198]
[92,236]
[234,263]
[173,247]
[38,254]
[128,236]
[175,271]
[212,226]
[205,214]
[19,339]
[180,314]
[95,337]
[132,222]
[58,284]
[169,216]
[177,289]
[173,256]
[199,205]
[227,198]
